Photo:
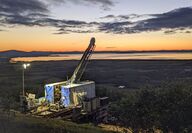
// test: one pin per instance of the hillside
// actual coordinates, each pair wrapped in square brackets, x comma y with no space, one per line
[17,53]
[26,124]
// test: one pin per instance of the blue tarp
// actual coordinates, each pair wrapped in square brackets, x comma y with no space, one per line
[65,98]
[49,91]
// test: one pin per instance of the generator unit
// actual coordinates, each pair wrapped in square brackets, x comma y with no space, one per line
[68,95]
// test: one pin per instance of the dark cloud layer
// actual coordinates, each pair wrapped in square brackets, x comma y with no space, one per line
[106,4]
[21,12]
[122,17]
[22,6]
[103,4]
[35,13]
[114,27]
[178,19]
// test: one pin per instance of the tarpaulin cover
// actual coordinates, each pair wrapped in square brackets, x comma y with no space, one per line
[49,92]
[65,96]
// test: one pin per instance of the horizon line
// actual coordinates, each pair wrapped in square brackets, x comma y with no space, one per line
[102,51]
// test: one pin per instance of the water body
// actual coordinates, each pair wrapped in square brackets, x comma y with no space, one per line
[108,56]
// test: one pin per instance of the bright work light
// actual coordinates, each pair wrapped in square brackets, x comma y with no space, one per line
[26,65]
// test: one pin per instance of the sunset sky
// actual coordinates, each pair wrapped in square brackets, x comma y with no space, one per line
[68,25]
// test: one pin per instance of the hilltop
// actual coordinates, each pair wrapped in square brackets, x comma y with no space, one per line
[18,53]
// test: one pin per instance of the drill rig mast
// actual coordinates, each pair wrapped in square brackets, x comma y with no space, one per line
[77,74]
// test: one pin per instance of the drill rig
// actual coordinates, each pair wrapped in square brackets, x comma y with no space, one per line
[70,92]
[74,99]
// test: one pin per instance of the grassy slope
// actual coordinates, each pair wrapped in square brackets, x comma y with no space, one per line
[23,124]
[133,74]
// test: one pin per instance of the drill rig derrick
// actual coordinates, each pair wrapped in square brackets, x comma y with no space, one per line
[77,74]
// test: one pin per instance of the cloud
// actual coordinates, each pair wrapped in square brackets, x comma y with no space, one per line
[67,31]
[104,4]
[22,12]
[188,32]
[22,6]
[77,27]
[175,20]
[36,13]
[69,26]
[108,17]
[170,32]
[129,17]
[114,27]
[179,18]
[64,26]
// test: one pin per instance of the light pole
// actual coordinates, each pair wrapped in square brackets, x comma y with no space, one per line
[23,76]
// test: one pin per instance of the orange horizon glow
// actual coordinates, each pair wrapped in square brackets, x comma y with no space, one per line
[96,50]
[42,39]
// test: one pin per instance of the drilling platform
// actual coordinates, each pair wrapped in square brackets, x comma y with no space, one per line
[73,99]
